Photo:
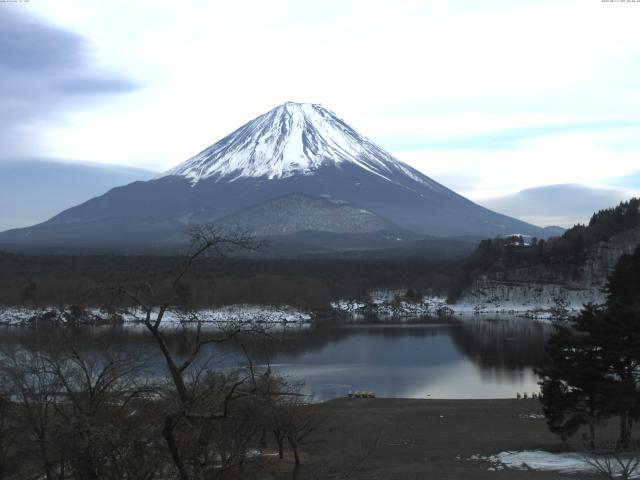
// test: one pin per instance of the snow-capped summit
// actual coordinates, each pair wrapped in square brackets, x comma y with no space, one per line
[294,138]
[248,179]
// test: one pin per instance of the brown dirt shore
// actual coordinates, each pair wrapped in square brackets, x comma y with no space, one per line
[409,439]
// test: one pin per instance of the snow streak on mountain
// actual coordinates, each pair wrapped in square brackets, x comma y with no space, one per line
[294,138]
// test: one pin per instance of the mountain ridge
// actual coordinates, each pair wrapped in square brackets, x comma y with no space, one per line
[33,190]
[293,148]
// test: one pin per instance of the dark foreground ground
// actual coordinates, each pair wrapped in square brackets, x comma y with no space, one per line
[425,439]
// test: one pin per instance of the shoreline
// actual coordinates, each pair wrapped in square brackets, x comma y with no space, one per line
[392,310]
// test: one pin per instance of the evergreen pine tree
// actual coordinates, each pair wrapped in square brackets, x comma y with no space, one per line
[573,385]
[594,363]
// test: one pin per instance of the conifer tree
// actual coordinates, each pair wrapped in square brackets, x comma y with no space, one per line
[573,386]
[593,369]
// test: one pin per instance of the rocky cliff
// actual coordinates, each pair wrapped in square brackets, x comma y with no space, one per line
[545,290]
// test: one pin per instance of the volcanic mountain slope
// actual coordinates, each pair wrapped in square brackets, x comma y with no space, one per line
[296,212]
[32,190]
[293,148]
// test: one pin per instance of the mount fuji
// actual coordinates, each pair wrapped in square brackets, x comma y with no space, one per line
[294,153]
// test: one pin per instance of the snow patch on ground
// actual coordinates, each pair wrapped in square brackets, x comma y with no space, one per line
[542,303]
[541,460]
[566,462]
[237,314]
[394,304]
[15,315]
[539,302]
[232,313]
[534,300]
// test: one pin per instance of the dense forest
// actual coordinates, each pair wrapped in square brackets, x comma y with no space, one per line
[88,280]
[563,255]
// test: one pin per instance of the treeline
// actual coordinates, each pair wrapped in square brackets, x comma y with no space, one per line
[557,257]
[89,280]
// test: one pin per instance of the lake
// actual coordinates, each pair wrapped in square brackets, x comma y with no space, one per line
[460,358]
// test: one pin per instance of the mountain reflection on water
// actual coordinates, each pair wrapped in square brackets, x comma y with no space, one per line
[471,357]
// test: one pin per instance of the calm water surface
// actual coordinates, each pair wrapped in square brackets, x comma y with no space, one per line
[463,358]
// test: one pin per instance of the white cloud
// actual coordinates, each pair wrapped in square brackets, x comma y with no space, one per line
[541,206]
[574,157]
[432,70]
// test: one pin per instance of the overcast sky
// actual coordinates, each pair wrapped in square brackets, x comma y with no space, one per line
[488,97]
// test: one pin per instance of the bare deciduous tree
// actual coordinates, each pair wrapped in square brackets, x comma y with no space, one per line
[100,412]
[202,405]
[78,411]
[612,464]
